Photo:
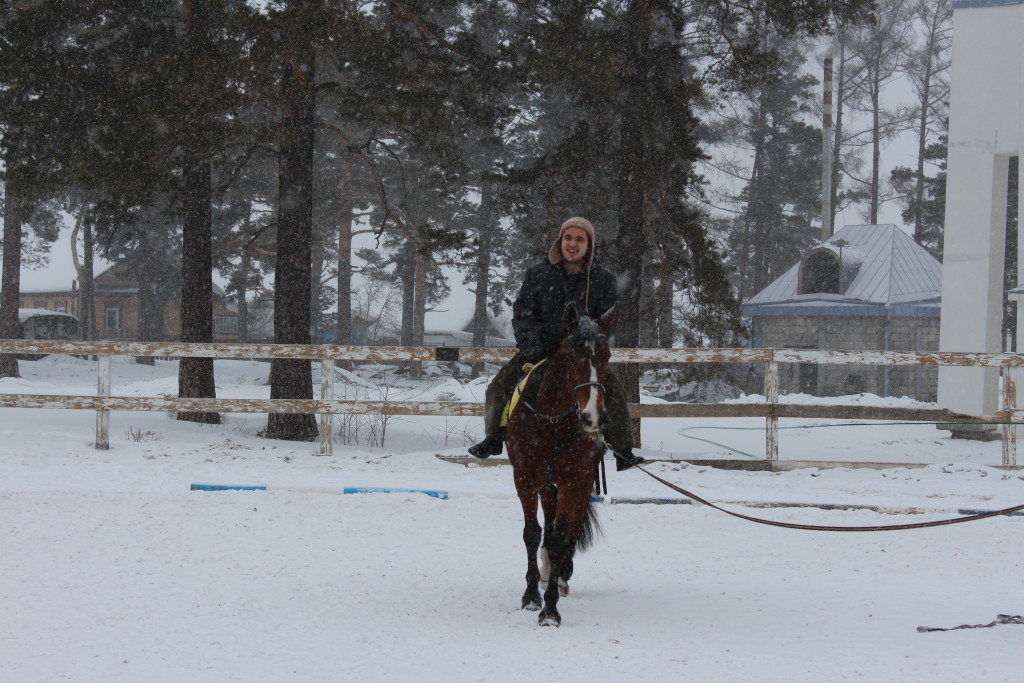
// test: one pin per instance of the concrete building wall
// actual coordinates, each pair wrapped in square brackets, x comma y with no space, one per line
[852,334]
[985,115]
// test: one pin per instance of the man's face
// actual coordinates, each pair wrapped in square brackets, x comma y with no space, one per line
[574,246]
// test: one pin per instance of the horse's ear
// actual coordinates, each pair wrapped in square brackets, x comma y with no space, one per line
[572,316]
[607,319]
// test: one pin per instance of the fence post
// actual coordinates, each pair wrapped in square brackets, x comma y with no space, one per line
[326,419]
[771,397]
[1009,405]
[102,414]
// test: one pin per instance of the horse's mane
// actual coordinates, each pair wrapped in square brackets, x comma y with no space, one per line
[586,334]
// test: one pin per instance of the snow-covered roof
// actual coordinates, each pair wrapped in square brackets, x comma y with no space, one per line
[454,320]
[26,313]
[881,266]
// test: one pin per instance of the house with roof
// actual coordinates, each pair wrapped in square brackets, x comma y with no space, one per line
[868,287]
[116,307]
[452,325]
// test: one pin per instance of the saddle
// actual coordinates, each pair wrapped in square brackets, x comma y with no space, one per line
[528,368]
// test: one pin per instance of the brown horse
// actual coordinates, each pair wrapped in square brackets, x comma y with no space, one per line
[554,439]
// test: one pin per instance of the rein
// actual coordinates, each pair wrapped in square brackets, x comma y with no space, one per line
[816,527]
[553,418]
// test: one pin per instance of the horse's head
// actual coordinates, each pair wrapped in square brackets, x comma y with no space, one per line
[586,351]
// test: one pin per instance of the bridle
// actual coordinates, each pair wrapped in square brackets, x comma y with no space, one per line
[575,406]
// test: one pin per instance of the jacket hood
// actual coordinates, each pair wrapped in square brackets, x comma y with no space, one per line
[555,252]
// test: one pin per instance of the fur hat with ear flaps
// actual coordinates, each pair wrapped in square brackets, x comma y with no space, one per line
[555,253]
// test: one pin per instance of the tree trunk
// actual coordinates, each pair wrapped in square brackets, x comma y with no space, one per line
[922,146]
[922,143]
[88,284]
[293,278]
[631,240]
[408,277]
[195,375]
[483,267]
[243,301]
[876,151]
[83,269]
[663,300]
[345,256]
[10,282]
[757,228]
[419,321]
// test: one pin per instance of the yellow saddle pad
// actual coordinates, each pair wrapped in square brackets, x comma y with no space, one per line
[528,368]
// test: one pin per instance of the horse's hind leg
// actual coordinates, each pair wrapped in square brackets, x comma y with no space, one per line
[563,580]
[545,571]
[556,544]
[531,537]
[561,541]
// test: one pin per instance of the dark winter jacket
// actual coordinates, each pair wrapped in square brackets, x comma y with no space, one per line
[538,313]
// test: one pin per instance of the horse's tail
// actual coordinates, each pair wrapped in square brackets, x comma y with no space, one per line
[591,528]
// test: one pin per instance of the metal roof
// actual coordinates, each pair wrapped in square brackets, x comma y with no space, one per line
[882,265]
[968,4]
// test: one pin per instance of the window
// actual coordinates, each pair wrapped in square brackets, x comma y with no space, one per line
[821,273]
[225,324]
[113,318]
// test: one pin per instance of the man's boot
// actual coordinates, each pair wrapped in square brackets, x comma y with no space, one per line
[625,459]
[492,445]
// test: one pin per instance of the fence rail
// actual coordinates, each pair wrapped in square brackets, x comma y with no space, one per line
[326,406]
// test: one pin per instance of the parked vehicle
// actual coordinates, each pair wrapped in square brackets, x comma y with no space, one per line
[39,323]
[660,384]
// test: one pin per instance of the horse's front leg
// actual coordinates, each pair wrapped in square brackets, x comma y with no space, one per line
[531,537]
[549,501]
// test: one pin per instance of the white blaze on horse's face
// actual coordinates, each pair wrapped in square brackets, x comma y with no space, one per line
[591,412]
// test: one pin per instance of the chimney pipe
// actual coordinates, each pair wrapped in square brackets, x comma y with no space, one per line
[826,153]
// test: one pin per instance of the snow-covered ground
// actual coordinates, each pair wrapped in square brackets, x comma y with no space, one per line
[112,569]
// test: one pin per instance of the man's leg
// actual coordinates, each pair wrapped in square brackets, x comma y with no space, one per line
[498,392]
[617,431]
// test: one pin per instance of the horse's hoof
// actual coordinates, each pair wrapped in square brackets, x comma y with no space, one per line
[531,601]
[531,605]
[563,588]
[549,618]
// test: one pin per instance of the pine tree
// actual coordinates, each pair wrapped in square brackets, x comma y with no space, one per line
[625,87]
[781,196]
[875,53]
[923,197]
[928,68]
[296,24]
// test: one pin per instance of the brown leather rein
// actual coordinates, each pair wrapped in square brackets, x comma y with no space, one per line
[817,527]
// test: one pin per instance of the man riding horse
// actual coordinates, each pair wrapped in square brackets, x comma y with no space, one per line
[571,273]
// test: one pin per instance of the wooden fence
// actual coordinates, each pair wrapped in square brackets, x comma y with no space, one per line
[326,406]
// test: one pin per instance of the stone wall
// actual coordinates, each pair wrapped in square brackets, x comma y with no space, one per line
[852,334]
